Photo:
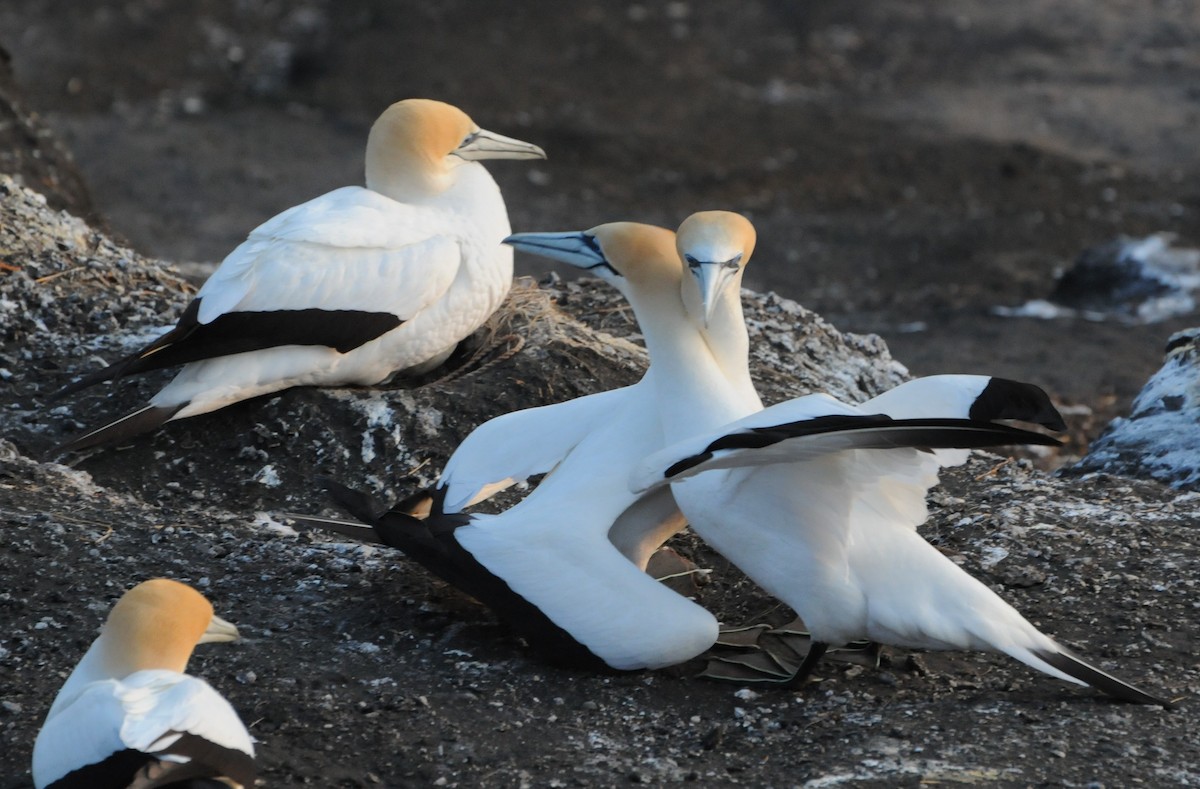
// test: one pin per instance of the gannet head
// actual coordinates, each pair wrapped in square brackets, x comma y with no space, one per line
[416,144]
[157,624]
[715,246]
[628,255]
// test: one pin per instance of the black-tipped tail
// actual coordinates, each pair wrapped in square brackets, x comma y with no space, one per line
[114,370]
[149,358]
[347,528]
[1069,663]
[128,426]
[1006,399]
[432,544]
[429,542]
[361,505]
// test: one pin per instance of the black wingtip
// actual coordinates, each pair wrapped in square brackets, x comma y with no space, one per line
[363,506]
[431,543]
[128,426]
[79,384]
[1004,398]
[110,373]
[1069,663]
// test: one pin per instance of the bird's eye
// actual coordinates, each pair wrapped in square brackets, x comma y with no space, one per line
[733,262]
[470,138]
[691,261]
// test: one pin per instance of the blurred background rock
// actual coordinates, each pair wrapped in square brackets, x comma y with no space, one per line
[909,166]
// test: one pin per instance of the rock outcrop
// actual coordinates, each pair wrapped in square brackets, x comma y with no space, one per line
[1160,439]
[359,670]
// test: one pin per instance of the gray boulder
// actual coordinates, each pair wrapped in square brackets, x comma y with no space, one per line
[1160,439]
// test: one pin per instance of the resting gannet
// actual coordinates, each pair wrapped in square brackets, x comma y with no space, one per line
[794,494]
[129,716]
[564,567]
[348,288]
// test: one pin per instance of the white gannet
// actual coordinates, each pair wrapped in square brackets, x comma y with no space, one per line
[564,567]
[129,716]
[347,288]
[816,500]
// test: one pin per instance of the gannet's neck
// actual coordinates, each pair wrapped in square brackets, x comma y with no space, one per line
[92,668]
[113,658]
[726,335]
[405,176]
[686,368]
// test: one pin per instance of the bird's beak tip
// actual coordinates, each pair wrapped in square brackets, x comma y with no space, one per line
[220,630]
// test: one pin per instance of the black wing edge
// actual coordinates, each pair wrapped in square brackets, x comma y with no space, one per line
[1004,398]
[212,760]
[128,426]
[139,361]
[431,543]
[1069,663]
[243,332]
[118,769]
[129,767]
[885,433]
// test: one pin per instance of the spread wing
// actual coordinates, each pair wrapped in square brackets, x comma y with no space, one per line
[808,427]
[967,397]
[518,445]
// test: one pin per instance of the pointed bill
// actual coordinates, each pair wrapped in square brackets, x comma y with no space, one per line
[576,249]
[484,144]
[219,630]
[712,278]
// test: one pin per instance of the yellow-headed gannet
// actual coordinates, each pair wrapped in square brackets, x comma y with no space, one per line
[564,567]
[129,716]
[348,288]
[794,496]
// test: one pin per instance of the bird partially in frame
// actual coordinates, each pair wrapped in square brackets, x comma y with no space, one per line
[128,715]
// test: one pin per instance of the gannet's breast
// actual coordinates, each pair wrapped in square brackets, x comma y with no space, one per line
[114,728]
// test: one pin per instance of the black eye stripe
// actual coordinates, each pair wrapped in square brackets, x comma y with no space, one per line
[732,263]
[605,265]
[591,243]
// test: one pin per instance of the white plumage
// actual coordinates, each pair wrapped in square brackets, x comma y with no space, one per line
[574,548]
[788,494]
[347,288]
[565,566]
[128,711]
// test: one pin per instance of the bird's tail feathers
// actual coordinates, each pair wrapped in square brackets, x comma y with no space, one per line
[355,530]
[361,505]
[1062,661]
[422,540]
[141,421]
[112,372]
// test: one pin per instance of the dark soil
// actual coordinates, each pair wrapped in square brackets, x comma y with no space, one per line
[908,165]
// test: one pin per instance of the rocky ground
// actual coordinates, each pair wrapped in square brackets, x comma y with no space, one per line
[909,168]
[909,165]
[358,669]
